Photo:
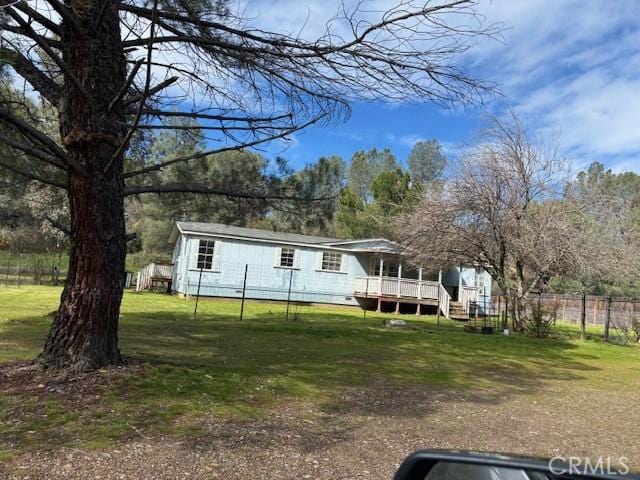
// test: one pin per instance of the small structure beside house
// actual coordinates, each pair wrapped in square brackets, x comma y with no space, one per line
[211,259]
[154,276]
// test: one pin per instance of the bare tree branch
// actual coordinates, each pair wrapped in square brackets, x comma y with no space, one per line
[38,137]
[151,91]
[128,82]
[221,118]
[33,151]
[194,156]
[32,175]
[145,93]
[204,189]
[45,46]
[46,22]
[27,70]
[63,228]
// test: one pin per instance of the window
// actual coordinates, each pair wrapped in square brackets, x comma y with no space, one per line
[389,269]
[287,257]
[205,254]
[331,261]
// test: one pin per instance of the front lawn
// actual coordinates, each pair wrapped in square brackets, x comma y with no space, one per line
[219,366]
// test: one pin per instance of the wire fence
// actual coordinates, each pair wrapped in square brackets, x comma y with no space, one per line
[608,316]
[31,269]
[266,282]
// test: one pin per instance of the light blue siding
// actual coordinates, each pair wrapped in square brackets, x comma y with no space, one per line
[265,280]
[470,277]
[478,277]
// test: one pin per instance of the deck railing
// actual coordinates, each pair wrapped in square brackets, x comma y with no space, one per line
[467,296]
[444,299]
[415,289]
[396,287]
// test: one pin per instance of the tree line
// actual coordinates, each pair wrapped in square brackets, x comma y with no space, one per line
[329,197]
[510,203]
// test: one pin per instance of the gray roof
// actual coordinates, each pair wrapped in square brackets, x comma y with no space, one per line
[253,233]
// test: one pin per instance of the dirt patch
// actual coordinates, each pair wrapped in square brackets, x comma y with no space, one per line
[29,379]
[361,433]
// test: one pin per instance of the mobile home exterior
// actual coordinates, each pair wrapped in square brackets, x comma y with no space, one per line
[210,259]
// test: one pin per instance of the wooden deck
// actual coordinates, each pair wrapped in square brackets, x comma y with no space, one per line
[418,292]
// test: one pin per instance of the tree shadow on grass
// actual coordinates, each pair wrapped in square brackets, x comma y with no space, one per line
[264,358]
[235,374]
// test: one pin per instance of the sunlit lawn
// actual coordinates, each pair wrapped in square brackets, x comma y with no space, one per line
[218,365]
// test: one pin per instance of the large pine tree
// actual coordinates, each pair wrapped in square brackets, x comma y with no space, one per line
[112,68]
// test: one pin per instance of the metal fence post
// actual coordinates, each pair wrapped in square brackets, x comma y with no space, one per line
[607,321]
[195,309]
[366,298]
[6,278]
[289,293]
[506,312]
[19,268]
[583,314]
[244,288]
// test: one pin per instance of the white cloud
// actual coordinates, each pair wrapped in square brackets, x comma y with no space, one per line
[572,67]
[407,140]
[568,66]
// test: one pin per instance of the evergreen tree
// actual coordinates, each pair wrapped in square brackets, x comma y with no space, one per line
[426,162]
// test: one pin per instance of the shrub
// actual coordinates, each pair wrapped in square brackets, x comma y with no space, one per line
[541,319]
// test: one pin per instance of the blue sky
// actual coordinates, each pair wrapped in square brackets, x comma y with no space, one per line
[382,125]
[569,68]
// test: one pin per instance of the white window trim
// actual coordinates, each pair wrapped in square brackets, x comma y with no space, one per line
[342,263]
[296,259]
[215,260]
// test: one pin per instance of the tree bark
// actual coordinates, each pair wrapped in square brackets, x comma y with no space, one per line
[84,334]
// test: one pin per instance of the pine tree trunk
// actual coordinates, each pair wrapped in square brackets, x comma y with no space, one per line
[84,334]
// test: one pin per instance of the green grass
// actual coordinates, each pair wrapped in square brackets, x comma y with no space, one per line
[218,365]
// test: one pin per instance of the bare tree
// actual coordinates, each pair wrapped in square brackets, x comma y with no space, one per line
[113,68]
[605,236]
[503,209]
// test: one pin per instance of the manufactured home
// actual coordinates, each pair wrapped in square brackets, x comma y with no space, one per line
[216,260]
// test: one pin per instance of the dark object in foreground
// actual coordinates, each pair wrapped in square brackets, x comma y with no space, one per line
[448,465]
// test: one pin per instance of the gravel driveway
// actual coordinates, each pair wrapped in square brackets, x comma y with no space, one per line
[364,434]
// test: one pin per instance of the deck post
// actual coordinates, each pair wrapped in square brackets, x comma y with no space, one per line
[419,290]
[399,287]
[440,276]
[379,308]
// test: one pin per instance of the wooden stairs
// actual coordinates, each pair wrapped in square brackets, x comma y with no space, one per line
[457,312]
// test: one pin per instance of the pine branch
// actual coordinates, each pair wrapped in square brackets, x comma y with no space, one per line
[32,175]
[27,70]
[38,137]
[205,153]
[33,151]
